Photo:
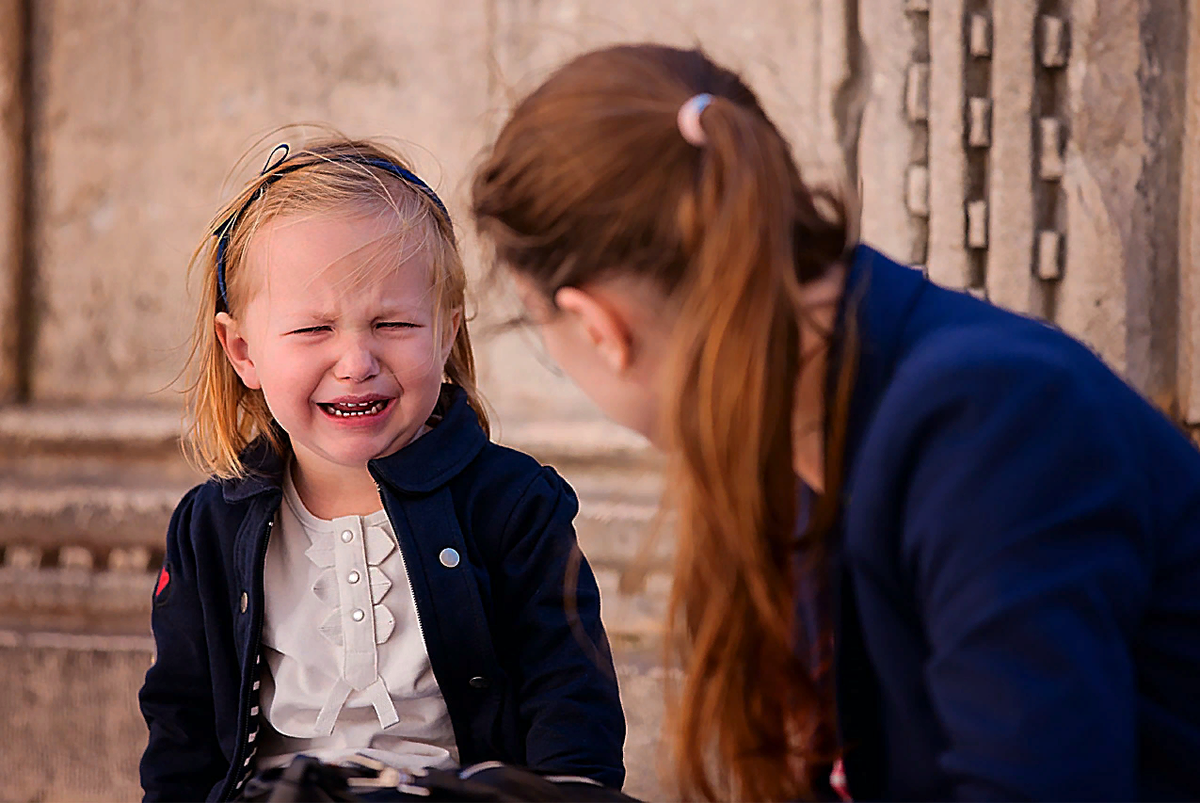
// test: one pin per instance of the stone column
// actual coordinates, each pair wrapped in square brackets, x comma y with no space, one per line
[1122,142]
[1006,43]
[1040,167]
[12,188]
[1189,241]
[842,84]
[956,222]
[893,156]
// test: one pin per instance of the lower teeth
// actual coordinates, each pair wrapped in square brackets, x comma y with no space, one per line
[342,414]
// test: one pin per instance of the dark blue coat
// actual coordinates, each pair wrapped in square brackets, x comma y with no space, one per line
[522,683]
[1018,604]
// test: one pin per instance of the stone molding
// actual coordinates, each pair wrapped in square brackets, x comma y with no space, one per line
[13,166]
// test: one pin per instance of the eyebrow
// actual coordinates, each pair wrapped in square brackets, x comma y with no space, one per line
[313,317]
[305,319]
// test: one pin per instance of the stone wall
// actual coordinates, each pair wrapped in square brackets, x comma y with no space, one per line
[1039,148]
[1044,154]
[71,730]
[69,722]
[140,110]
[1030,150]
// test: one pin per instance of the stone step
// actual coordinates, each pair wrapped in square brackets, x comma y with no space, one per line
[77,525]
[137,429]
[569,443]
[118,602]
[70,723]
[86,494]
[76,600]
[90,554]
[106,479]
[153,430]
[84,555]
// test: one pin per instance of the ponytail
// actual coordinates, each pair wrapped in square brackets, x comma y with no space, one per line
[738,351]
[591,177]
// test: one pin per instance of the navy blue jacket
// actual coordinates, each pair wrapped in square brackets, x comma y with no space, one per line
[522,683]
[1018,586]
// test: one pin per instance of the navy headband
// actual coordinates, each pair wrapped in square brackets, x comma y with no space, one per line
[224,231]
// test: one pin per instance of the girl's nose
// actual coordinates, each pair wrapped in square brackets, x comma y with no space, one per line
[357,362]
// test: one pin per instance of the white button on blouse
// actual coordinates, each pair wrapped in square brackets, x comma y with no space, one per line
[347,670]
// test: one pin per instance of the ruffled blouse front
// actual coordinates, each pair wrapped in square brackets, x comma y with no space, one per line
[347,668]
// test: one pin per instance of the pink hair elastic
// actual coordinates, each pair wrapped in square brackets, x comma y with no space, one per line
[689,118]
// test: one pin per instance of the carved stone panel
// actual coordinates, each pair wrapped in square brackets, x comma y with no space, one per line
[1044,154]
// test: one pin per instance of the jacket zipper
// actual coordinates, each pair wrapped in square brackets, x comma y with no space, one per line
[255,643]
[404,563]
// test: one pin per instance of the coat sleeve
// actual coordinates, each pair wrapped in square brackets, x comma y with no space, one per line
[182,760]
[1024,545]
[566,681]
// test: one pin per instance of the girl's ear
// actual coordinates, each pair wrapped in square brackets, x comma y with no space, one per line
[236,349]
[451,335]
[602,325]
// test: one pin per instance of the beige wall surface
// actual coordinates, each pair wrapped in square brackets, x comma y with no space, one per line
[139,111]
[775,45]
[142,110]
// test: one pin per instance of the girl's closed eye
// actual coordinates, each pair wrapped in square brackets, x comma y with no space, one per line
[398,325]
[308,330]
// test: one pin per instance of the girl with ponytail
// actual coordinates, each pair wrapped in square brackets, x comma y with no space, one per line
[365,579]
[926,548]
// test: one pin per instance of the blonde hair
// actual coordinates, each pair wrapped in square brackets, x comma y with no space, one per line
[330,175]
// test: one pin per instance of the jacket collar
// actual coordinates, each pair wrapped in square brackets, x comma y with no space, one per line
[881,295]
[424,465]
[436,457]
[264,473]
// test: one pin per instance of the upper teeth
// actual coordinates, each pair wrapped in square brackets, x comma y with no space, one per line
[367,408]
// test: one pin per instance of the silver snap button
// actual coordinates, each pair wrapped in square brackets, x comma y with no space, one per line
[357,615]
[353,577]
[347,536]
[479,683]
[449,557]
[245,602]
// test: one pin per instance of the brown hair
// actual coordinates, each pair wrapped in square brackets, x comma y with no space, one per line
[591,176]
[325,176]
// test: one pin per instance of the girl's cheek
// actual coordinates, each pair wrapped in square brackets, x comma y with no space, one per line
[419,357]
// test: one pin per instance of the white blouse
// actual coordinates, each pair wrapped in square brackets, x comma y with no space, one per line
[347,672]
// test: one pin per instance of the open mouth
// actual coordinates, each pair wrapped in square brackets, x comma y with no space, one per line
[355,409]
